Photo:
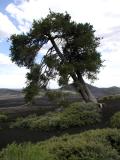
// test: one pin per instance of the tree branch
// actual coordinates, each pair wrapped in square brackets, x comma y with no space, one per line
[56,48]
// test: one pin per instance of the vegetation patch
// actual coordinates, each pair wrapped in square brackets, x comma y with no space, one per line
[77,114]
[91,145]
[61,98]
[109,98]
[3,117]
[115,120]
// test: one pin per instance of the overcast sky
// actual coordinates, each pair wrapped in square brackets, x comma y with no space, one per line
[16,16]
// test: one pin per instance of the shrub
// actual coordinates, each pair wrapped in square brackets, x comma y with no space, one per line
[3,117]
[77,114]
[54,95]
[115,120]
[110,98]
[60,97]
[25,152]
[101,144]
[80,114]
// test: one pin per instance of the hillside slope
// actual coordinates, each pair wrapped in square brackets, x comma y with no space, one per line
[9,91]
[98,92]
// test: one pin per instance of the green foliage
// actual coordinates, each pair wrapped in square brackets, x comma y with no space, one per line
[54,95]
[25,152]
[110,98]
[77,114]
[30,92]
[80,114]
[115,120]
[3,117]
[58,97]
[32,88]
[101,144]
[72,54]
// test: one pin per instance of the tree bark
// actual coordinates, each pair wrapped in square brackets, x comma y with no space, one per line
[83,89]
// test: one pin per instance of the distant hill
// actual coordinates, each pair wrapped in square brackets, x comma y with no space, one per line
[98,92]
[9,91]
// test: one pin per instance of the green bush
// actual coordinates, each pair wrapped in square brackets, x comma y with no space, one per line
[61,98]
[115,120]
[77,114]
[101,144]
[3,117]
[54,95]
[110,98]
[80,114]
[25,152]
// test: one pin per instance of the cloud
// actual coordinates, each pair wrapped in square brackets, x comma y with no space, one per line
[108,77]
[4,59]
[11,76]
[15,12]
[6,26]
[13,81]
[97,12]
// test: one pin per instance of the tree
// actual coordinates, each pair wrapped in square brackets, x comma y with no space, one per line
[71,52]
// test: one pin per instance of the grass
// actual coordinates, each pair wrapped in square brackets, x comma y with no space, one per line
[77,114]
[101,144]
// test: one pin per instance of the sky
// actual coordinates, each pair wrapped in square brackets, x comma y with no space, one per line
[16,16]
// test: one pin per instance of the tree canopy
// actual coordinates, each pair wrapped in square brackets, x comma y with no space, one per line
[71,52]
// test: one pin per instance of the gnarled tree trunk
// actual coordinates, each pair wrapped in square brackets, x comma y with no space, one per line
[78,80]
[83,89]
